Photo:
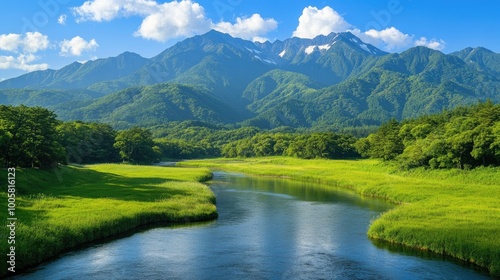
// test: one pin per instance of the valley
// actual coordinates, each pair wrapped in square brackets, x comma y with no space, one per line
[329,82]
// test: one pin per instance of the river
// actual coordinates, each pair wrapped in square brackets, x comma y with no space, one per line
[267,229]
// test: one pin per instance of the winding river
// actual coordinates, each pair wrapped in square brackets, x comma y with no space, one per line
[267,229]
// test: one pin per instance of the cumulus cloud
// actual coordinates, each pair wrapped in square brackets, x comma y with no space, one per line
[314,22]
[170,20]
[10,42]
[22,62]
[31,42]
[433,44]
[248,28]
[76,46]
[106,10]
[35,41]
[173,20]
[24,47]
[390,39]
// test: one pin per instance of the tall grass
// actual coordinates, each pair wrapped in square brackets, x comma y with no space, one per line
[60,210]
[454,212]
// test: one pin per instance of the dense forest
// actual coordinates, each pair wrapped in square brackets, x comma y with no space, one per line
[315,145]
[465,137]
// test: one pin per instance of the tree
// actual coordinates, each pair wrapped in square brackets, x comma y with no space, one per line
[88,142]
[136,145]
[29,137]
[386,143]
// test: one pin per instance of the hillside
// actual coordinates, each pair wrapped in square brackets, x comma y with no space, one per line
[79,75]
[153,105]
[329,82]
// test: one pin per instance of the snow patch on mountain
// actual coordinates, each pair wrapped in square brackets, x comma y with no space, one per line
[253,50]
[266,60]
[310,49]
[365,47]
[324,47]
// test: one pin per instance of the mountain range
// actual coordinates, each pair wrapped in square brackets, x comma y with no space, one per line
[328,82]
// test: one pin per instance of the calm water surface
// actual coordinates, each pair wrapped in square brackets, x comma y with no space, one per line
[267,229]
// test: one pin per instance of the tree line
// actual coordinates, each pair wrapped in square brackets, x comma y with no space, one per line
[464,138]
[308,146]
[33,137]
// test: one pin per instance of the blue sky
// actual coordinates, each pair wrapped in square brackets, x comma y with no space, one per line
[41,34]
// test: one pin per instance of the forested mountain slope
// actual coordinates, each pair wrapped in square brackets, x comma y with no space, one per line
[328,82]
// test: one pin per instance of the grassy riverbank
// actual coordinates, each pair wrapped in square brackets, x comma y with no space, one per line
[454,212]
[64,208]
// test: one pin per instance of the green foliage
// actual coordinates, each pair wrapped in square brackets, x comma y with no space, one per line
[203,133]
[47,98]
[28,137]
[155,105]
[88,142]
[181,149]
[136,145]
[463,138]
[308,146]
[386,142]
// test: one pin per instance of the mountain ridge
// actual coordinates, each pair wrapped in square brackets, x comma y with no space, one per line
[329,81]
[78,75]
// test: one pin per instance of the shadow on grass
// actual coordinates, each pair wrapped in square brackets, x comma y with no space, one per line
[57,187]
[84,183]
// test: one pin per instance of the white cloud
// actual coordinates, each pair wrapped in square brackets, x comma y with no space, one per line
[6,62]
[170,20]
[314,22]
[24,48]
[10,42]
[62,19]
[100,10]
[433,44]
[21,62]
[173,20]
[390,39]
[161,21]
[248,28]
[76,46]
[32,42]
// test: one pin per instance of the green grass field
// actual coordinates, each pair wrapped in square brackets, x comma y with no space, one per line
[453,212]
[63,209]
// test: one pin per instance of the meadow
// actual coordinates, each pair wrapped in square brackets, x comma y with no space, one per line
[62,209]
[453,212]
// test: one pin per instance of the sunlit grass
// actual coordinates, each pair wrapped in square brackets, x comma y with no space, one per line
[454,212]
[60,209]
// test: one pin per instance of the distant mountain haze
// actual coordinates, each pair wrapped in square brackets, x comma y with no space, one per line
[328,82]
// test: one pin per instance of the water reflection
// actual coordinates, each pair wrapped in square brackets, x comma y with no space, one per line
[267,229]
